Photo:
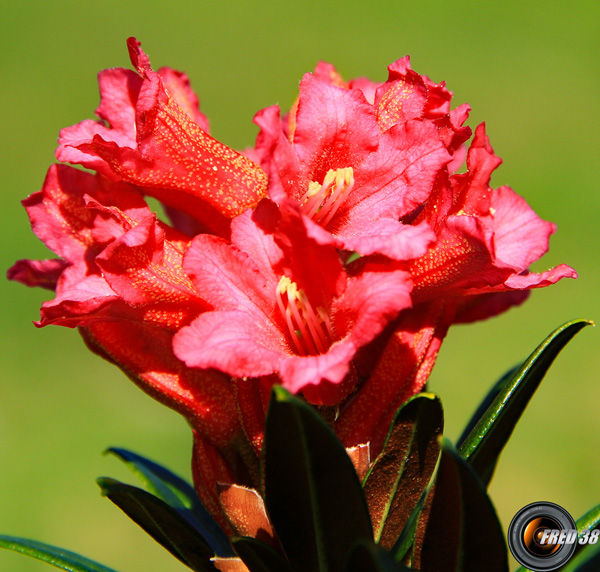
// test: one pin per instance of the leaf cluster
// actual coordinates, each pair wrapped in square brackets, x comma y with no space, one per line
[423,504]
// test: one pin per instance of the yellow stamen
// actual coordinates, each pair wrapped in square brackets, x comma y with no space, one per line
[322,201]
[310,330]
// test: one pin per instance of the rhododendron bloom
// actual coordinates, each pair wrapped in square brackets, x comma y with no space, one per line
[157,139]
[358,157]
[477,268]
[347,177]
[284,304]
[331,258]
[122,281]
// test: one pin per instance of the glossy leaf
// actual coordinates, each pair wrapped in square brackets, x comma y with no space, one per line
[178,494]
[158,480]
[258,556]
[485,404]
[590,520]
[462,531]
[162,522]
[404,468]
[485,442]
[369,557]
[58,557]
[312,493]
[589,561]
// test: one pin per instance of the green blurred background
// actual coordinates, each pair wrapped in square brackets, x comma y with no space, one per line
[529,69]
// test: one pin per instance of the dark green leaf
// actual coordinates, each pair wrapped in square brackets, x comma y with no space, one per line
[485,442]
[258,556]
[485,404]
[52,555]
[312,493]
[178,494]
[404,468]
[158,480]
[588,560]
[162,522]
[462,531]
[368,557]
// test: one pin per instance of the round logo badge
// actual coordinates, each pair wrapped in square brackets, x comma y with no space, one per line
[542,536]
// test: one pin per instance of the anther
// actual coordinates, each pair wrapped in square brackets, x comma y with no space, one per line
[310,330]
[321,202]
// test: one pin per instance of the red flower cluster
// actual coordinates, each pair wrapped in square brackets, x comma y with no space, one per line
[331,258]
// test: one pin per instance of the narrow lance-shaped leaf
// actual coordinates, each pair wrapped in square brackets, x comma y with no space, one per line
[312,493]
[410,533]
[485,442]
[161,522]
[404,468]
[63,559]
[462,530]
[591,564]
[485,404]
[369,557]
[179,495]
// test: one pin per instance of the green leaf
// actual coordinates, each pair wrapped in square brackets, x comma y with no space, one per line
[589,520]
[312,493]
[179,495]
[369,557]
[485,404]
[591,564]
[162,522]
[462,530]
[158,480]
[485,442]
[258,556]
[403,470]
[58,557]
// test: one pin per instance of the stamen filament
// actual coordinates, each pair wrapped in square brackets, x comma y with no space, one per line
[321,202]
[310,330]
[292,296]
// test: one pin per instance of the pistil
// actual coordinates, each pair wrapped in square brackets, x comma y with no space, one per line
[322,201]
[309,329]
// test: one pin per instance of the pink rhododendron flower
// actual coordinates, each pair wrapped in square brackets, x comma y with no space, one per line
[477,268]
[157,139]
[284,304]
[121,280]
[331,258]
[348,176]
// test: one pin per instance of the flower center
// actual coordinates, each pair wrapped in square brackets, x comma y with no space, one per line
[321,202]
[310,330]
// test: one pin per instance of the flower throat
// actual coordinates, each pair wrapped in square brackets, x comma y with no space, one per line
[322,201]
[310,330]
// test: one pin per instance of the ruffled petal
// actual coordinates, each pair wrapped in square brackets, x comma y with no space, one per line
[33,273]
[335,127]
[234,342]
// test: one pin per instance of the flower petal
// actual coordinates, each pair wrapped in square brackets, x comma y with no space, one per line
[335,127]
[390,238]
[234,342]
[144,352]
[42,273]
[520,236]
